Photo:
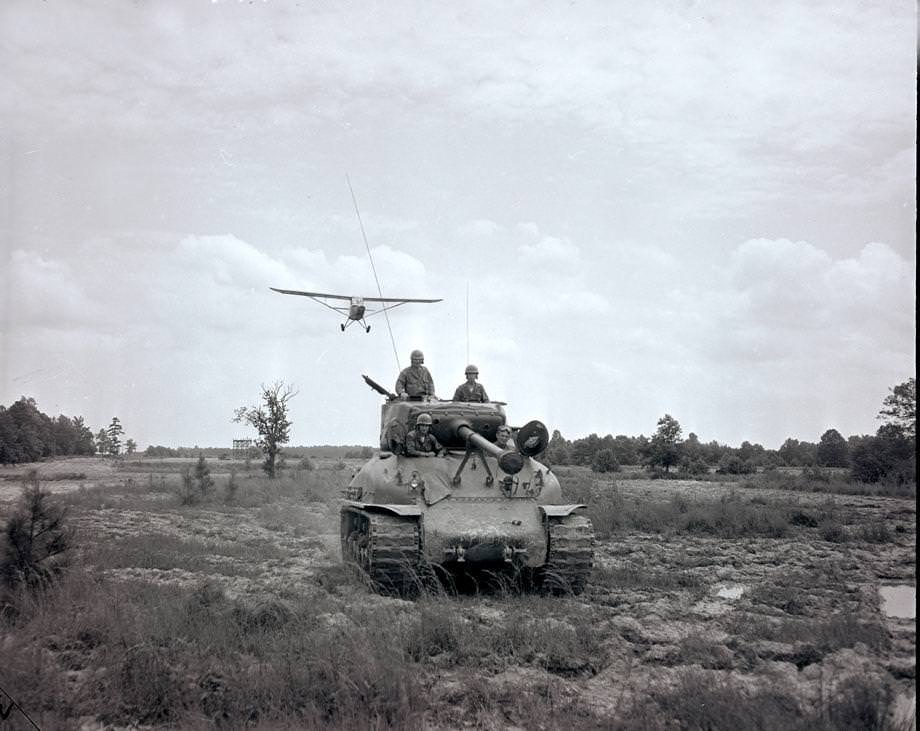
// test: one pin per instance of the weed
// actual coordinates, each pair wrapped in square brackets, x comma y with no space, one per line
[876,532]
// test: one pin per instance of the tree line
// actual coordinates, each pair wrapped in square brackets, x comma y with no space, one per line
[28,435]
[889,454]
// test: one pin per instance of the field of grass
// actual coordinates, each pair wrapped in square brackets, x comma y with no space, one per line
[711,606]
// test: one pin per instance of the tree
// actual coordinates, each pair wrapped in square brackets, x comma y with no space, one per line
[798,454]
[605,461]
[103,445]
[130,446]
[833,450]
[889,456]
[203,476]
[900,408]
[83,442]
[37,539]
[270,420]
[664,448]
[114,432]
[558,449]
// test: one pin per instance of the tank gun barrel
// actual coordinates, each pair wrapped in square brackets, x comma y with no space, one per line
[378,388]
[510,461]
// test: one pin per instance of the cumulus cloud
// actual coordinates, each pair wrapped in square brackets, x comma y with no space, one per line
[47,293]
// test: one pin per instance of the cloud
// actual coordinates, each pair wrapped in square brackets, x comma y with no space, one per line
[46,293]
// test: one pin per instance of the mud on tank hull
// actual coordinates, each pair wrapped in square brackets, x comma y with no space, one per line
[405,515]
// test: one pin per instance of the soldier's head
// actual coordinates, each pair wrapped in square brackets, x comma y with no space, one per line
[423,423]
[502,435]
[472,373]
[417,357]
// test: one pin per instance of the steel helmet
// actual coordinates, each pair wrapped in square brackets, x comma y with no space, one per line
[471,369]
[417,354]
[423,419]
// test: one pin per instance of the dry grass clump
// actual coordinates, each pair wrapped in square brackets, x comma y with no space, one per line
[634,576]
[138,654]
[706,701]
[533,632]
[732,515]
[815,637]
[828,481]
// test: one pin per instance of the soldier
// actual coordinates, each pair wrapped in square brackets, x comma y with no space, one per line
[503,437]
[471,391]
[420,442]
[415,382]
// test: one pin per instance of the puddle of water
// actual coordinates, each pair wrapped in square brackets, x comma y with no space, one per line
[899,601]
[730,592]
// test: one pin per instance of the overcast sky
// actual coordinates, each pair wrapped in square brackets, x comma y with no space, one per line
[705,209]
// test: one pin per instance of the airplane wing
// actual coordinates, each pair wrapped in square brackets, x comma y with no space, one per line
[319,297]
[399,300]
[312,294]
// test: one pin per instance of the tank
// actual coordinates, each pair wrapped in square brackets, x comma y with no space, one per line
[477,506]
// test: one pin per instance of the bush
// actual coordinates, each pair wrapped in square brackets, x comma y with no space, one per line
[605,461]
[37,539]
[734,465]
[695,467]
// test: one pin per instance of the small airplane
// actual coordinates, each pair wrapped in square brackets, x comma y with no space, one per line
[356,310]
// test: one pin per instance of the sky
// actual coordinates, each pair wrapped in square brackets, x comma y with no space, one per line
[701,209]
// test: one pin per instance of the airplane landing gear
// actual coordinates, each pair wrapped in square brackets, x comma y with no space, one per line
[342,326]
[367,329]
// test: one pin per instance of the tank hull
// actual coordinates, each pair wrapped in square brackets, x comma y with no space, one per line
[405,515]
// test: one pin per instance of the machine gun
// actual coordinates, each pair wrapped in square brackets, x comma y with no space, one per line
[378,388]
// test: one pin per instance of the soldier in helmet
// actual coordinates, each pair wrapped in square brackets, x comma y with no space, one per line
[420,442]
[415,382]
[471,391]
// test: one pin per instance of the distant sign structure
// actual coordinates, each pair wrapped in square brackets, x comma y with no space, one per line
[241,444]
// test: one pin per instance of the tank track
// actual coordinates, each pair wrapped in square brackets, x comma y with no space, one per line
[570,556]
[386,548]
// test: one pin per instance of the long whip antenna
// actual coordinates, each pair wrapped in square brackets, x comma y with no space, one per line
[467,322]
[373,268]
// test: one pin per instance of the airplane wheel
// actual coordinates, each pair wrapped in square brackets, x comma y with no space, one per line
[343,327]
[368,329]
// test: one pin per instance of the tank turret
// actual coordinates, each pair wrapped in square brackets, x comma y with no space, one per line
[476,505]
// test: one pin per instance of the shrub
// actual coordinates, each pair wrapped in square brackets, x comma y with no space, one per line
[605,461]
[833,532]
[37,539]
[874,533]
[734,465]
[203,479]
[186,491]
[695,467]
[232,488]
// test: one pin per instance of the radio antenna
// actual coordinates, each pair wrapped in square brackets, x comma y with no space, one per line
[467,321]
[373,268]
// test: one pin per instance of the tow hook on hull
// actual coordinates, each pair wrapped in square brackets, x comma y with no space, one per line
[484,552]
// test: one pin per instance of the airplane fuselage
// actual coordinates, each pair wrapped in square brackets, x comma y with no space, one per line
[356,310]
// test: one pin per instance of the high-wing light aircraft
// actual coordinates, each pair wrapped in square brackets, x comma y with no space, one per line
[355,310]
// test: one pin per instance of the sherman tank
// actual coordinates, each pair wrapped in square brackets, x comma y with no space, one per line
[476,506]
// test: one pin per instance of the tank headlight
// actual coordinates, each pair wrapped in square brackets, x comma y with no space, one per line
[415,481]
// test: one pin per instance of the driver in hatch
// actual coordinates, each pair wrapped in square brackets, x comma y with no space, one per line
[420,442]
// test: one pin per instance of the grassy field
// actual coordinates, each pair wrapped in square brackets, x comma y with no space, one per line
[711,606]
